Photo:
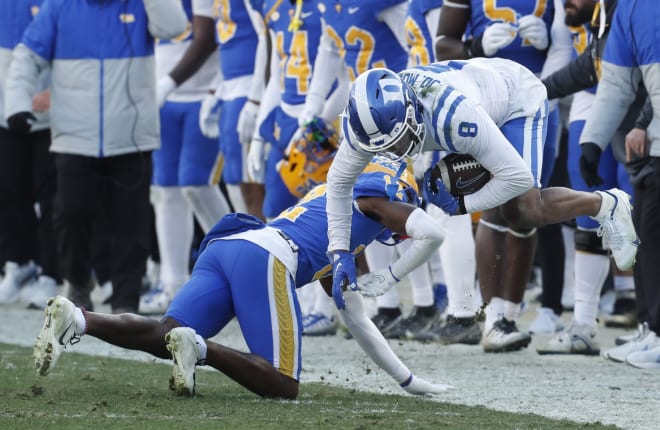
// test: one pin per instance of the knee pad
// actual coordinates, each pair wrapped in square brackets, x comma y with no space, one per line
[588,241]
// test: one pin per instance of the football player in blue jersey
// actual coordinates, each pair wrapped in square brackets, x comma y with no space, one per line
[187,166]
[239,29]
[592,263]
[494,110]
[250,270]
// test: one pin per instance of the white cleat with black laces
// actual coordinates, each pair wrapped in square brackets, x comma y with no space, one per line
[59,330]
[617,228]
[505,337]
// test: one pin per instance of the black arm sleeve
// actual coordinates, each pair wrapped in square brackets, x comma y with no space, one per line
[645,115]
[577,75]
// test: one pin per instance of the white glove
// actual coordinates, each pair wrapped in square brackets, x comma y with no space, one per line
[420,387]
[164,87]
[209,116]
[534,29]
[247,121]
[497,36]
[256,160]
[376,283]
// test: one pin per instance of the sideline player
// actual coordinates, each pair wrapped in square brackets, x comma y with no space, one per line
[249,270]
[492,109]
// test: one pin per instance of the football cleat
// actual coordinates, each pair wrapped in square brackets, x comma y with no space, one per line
[576,339]
[505,337]
[183,346]
[649,359]
[155,301]
[418,320]
[15,277]
[646,341]
[319,325]
[618,231]
[452,330]
[59,330]
[546,322]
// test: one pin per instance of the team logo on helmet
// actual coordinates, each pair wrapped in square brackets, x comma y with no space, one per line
[308,157]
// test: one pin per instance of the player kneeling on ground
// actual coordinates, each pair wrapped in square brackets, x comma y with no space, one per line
[249,270]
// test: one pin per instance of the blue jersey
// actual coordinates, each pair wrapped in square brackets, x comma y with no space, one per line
[487,12]
[363,40]
[420,40]
[296,49]
[306,222]
[236,37]
[15,16]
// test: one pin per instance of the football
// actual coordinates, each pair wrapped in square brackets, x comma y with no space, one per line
[461,174]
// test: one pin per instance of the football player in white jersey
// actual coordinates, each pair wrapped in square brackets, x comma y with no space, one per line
[494,110]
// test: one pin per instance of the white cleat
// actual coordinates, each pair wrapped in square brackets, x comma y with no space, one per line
[183,346]
[154,301]
[15,277]
[576,339]
[546,322]
[646,341]
[59,330]
[618,230]
[649,359]
[505,337]
[36,294]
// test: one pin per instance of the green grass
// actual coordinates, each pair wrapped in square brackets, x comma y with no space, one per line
[85,392]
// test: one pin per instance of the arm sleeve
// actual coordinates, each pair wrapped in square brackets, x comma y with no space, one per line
[344,170]
[271,95]
[167,18]
[261,57]
[370,338]
[645,115]
[327,67]
[395,18]
[22,80]
[427,235]
[560,52]
[577,75]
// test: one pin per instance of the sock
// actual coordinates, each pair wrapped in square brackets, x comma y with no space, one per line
[81,321]
[624,283]
[494,311]
[511,310]
[378,257]
[208,204]
[568,292]
[236,197]
[202,349]
[174,231]
[460,265]
[590,273]
[605,206]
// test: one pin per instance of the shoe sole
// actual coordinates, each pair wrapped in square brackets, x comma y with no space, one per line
[46,348]
[646,366]
[592,352]
[513,346]
[178,381]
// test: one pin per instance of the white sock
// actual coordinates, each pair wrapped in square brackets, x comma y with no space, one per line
[605,206]
[208,204]
[460,265]
[323,305]
[174,231]
[436,269]
[81,322]
[378,257]
[202,348]
[568,293]
[511,310]
[236,197]
[590,273]
[307,296]
[624,283]
[420,280]
[494,311]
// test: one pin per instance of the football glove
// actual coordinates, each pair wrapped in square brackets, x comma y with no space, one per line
[589,161]
[374,284]
[497,36]
[256,160]
[436,193]
[21,122]
[164,87]
[344,276]
[209,116]
[534,29]
[420,387]
[247,121]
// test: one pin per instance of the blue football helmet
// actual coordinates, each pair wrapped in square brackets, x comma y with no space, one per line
[384,115]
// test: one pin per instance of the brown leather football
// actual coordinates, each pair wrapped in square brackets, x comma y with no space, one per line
[461,174]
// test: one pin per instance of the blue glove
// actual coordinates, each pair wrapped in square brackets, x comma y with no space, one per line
[344,274]
[436,193]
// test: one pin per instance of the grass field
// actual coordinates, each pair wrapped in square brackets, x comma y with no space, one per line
[84,392]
